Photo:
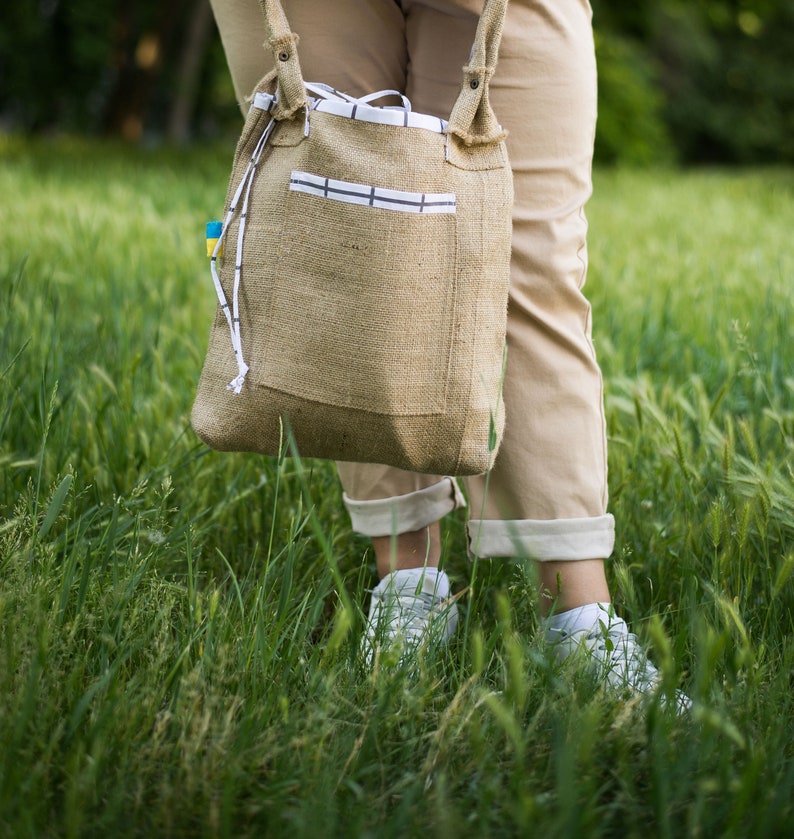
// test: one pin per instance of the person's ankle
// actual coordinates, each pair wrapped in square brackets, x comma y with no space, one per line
[569,584]
[416,549]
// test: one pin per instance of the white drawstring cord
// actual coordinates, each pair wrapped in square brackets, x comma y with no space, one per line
[233,316]
[325,91]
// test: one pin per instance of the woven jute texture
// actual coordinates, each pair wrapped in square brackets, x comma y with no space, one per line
[374,335]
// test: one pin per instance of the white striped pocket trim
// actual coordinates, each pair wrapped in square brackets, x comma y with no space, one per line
[373,196]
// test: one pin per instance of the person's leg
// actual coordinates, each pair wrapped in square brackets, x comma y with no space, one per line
[355,45]
[399,511]
[243,33]
[550,483]
[546,495]
[359,46]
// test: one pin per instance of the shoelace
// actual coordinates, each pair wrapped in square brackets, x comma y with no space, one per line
[404,611]
[624,656]
[626,665]
[621,660]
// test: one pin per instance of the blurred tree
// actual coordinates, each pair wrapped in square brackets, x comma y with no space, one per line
[143,36]
[128,68]
[53,60]
[188,75]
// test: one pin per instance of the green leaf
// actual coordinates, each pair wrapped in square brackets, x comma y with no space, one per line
[55,505]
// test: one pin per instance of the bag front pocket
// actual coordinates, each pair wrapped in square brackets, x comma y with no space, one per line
[363,305]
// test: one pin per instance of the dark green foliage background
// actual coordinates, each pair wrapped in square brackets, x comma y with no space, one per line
[702,81]
[691,81]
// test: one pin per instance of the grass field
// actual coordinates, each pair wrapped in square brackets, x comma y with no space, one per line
[179,629]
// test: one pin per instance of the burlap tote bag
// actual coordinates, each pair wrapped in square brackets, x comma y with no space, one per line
[364,274]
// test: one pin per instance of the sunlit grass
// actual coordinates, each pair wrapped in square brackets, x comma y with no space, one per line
[179,628]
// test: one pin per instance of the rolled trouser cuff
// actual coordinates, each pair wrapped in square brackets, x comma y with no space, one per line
[405,513]
[546,541]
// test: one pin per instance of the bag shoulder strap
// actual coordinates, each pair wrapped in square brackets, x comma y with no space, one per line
[472,119]
[290,86]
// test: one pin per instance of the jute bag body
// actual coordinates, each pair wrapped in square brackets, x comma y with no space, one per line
[364,277]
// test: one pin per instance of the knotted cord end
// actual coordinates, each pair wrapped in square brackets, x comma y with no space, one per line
[236,384]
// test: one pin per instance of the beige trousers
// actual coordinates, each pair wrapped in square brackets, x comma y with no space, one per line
[546,495]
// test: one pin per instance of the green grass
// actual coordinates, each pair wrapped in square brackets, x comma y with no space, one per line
[179,628]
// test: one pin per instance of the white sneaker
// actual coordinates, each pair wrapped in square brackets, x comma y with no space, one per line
[408,609]
[614,655]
